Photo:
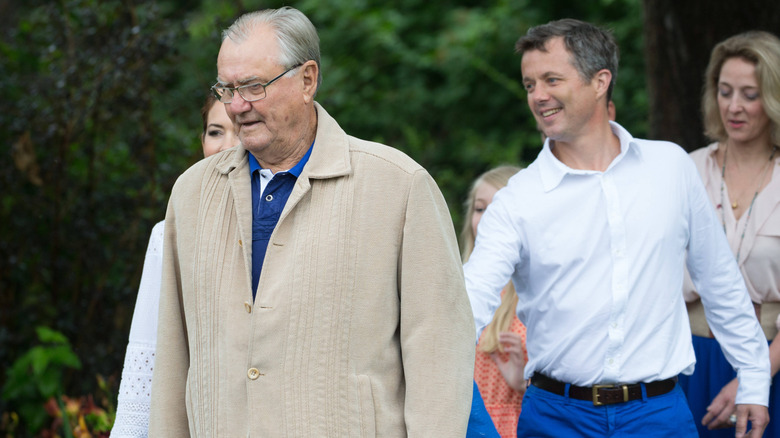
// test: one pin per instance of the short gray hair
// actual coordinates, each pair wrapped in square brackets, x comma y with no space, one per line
[297,36]
[592,48]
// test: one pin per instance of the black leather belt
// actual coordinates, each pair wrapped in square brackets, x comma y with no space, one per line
[604,394]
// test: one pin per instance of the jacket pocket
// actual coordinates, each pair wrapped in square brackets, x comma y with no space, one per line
[366,405]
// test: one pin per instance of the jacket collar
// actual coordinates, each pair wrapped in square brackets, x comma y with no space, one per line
[330,157]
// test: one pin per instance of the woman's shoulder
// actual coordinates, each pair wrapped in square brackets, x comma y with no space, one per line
[703,157]
[703,153]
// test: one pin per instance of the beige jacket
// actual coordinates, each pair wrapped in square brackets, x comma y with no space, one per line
[361,326]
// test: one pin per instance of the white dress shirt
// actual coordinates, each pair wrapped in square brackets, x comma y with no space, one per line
[597,261]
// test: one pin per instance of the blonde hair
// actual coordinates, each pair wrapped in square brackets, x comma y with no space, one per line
[761,49]
[502,319]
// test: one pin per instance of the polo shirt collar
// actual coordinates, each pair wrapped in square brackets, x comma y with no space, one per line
[295,171]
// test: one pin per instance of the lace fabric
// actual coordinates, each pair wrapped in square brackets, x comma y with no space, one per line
[135,392]
[135,389]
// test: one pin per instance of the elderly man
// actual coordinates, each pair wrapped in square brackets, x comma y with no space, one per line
[311,282]
[594,236]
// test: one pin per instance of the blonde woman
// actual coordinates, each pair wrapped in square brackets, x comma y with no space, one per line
[741,172]
[501,353]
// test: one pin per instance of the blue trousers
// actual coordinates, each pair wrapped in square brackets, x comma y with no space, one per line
[480,423]
[546,414]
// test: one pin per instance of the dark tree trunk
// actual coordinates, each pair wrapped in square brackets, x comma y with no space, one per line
[679,36]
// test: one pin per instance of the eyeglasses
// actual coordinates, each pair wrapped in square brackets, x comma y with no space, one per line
[249,92]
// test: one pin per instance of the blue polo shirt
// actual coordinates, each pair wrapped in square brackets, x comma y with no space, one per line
[267,206]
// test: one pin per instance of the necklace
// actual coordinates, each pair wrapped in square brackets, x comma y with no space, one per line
[734,204]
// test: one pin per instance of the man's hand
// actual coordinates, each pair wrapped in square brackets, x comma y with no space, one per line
[757,415]
[723,407]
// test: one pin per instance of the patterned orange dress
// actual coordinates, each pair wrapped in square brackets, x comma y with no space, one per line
[502,402]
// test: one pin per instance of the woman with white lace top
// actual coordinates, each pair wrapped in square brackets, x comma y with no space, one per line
[132,414]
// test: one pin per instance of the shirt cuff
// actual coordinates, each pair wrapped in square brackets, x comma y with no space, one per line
[753,389]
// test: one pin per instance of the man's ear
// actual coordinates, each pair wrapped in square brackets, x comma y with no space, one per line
[310,73]
[601,81]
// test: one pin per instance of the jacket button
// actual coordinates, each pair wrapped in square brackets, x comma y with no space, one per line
[253,373]
[248,307]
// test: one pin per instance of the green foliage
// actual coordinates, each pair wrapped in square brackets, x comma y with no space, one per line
[82,184]
[36,376]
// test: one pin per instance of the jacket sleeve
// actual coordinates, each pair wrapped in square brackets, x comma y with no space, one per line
[168,417]
[437,328]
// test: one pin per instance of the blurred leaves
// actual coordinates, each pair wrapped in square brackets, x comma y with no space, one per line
[36,376]
[81,181]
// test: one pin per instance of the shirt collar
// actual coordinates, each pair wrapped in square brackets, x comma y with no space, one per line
[295,171]
[552,170]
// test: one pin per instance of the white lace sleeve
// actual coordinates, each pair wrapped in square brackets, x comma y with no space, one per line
[135,388]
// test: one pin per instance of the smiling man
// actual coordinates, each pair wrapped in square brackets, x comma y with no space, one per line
[594,235]
[311,280]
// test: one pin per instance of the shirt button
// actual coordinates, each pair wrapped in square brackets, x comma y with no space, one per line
[240,243]
[611,361]
[248,307]
[253,373]
[269,198]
